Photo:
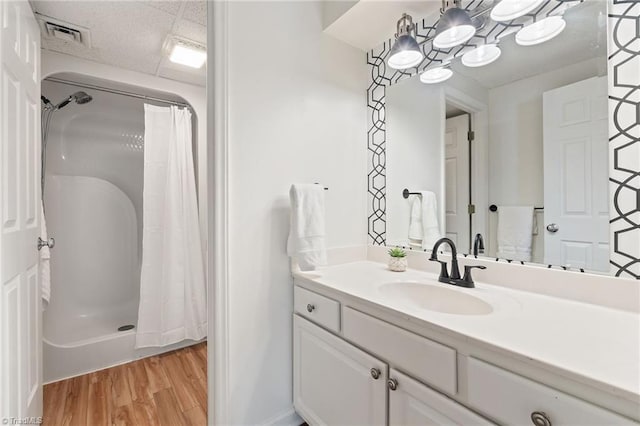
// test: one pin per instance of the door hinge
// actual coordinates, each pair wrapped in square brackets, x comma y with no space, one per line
[471,135]
[472,208]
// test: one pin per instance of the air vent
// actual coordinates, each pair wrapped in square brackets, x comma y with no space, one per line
[55,29]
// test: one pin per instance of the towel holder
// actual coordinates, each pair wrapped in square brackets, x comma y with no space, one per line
[325,188]
[494,208]
[406,193]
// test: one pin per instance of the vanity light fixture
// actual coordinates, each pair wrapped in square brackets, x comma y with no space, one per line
[541,31]
[186,53]
[436,75]
[405,52]
[508,10]
[454,27]
[482,55]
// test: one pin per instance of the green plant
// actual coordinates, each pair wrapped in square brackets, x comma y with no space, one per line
[397,252]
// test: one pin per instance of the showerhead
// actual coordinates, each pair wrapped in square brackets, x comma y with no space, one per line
[79,97]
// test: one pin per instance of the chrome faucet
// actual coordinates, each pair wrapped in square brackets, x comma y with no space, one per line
[478,245]
[454,278]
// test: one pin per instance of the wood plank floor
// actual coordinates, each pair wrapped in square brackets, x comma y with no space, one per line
[168,389]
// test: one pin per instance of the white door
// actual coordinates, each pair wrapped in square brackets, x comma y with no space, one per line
[576,195]
[20,305]
[413,404]
[334,383]
[456,167]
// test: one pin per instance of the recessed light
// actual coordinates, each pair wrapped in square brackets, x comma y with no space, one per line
[481,56]
[187,54]
[508,10]
[540,31]
[436,75]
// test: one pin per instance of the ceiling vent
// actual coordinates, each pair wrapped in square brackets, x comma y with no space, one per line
[55,29]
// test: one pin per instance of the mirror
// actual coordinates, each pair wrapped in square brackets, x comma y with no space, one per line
[515,151]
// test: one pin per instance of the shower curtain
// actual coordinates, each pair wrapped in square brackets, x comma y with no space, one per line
[172,284]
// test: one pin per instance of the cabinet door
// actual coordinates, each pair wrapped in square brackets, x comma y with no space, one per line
[334,382]
[412,403]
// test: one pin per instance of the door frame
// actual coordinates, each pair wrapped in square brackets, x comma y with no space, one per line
[478,157]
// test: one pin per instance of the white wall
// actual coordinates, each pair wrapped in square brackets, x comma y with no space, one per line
[296,113]
[414,116]
[55,63]
[515,147]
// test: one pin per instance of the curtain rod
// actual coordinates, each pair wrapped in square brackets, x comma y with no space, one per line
[118,92]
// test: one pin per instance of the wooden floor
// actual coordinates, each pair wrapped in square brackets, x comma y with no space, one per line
[168,389]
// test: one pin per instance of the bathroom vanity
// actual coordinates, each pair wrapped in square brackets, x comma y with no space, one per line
[374,347]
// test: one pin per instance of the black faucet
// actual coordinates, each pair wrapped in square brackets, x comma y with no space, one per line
[478,245]
[454,278]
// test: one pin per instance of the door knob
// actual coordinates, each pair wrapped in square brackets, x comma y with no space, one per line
[375,373]
[49,243]
[392,384]
[540,419]
[553,227]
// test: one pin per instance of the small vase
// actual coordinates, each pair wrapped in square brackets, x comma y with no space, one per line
[398,264]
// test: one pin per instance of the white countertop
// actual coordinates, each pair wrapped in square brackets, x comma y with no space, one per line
[599,344]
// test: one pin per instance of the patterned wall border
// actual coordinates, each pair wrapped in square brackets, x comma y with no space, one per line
[624,31]
[624,136]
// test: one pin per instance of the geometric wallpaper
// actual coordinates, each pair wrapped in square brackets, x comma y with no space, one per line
[624,136]
[624,116]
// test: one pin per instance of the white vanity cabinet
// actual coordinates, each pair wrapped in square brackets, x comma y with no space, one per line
[334,383]
[353,366]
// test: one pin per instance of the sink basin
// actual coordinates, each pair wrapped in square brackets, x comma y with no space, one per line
[436,298]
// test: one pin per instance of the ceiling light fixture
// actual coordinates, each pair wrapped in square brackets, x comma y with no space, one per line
[541,31]
[436,75]
[187,53]
[454,27]
[508,10]
[482,55]
[405,52]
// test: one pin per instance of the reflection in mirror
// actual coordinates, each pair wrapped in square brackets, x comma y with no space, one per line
[525,134]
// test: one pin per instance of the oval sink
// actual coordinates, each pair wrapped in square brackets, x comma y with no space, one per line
[436,298]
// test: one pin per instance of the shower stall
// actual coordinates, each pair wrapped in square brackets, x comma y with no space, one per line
[93,156]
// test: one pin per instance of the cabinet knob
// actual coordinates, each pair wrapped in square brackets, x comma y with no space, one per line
[375,373]
[540,419]
[310,307]
[392,384]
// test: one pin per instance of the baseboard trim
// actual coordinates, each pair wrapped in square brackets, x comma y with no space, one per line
[288,418]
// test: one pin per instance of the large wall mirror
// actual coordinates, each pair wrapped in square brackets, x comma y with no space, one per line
[511,159]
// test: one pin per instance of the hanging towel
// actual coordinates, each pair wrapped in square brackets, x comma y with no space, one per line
[423,223]
[45,267]
[306,235]
[515,229]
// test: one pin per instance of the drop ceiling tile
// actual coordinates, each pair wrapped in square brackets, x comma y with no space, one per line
[191,31]
[196,11]
[172,7]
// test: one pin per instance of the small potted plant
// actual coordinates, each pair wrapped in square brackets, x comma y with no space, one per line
[397,259]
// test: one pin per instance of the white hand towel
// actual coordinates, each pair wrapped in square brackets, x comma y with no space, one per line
[306,243]
[415,223]
[515,232]
[430,225]
[45,257]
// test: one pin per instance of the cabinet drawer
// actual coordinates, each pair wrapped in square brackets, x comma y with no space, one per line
[512,399]
[424,359]
[317,308]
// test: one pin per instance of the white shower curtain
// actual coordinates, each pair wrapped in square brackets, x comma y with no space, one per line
[172,284]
